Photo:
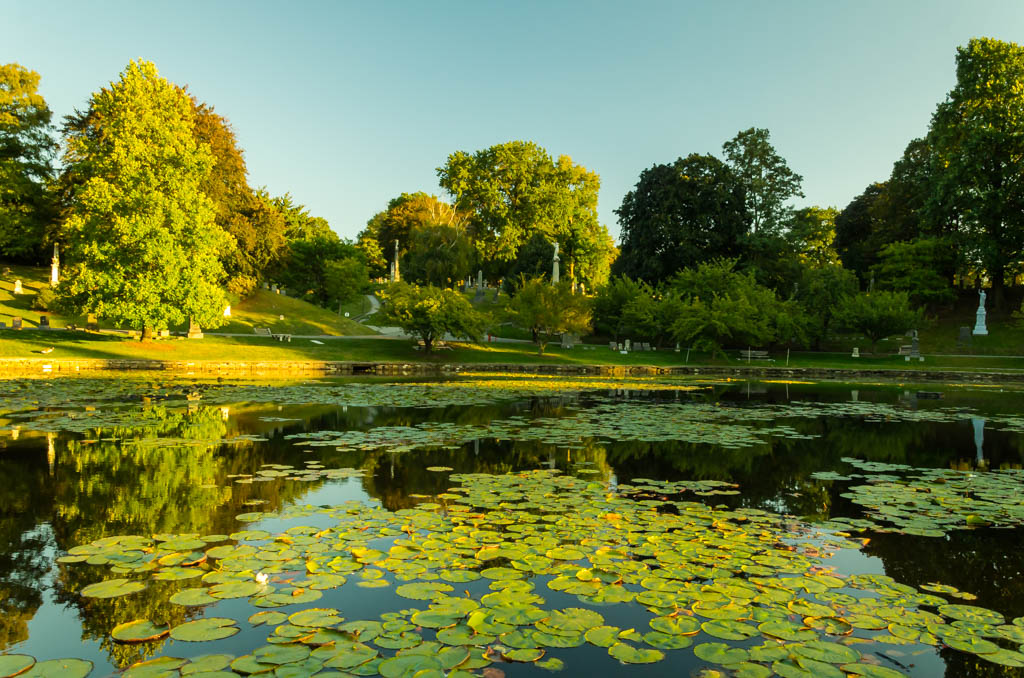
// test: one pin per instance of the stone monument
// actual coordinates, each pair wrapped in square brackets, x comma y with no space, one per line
[915,348]
[90,322]
[44,322]
[194,331]
[979,323]
[396,276]
[16,323]
[227,311]
[55,266]
[480,279]
[554,267]
[17,287]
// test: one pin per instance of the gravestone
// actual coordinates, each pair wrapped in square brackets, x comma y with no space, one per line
[627,347]
[963,341]
[480,279]
[469,284]
[90,322]
[16,323]
[194,331]
[227,311]
[856,352]
[55,266]
[7,270]
[568,340]
[554,267]
[497,291]
[17,287]
[619,346]
[44,322]
[979,322]
[677,347]
[612,346]
[163,333]
[276,290]
[915,349]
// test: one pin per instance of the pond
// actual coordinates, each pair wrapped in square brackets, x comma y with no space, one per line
[509,526]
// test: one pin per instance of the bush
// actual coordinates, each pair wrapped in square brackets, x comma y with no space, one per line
[43,301]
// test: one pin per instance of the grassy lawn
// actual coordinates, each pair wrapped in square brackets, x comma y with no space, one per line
[262,309]
[69,345]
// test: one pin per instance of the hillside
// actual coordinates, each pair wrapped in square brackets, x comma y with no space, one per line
[263,309]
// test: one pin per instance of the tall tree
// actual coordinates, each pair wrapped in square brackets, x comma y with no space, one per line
[440,255]
[142,245]
[514,190]
[812,234]
[549,310]
[257,226]
[679,215]
[857,234]
[768,180]
[27,149]
[978,137]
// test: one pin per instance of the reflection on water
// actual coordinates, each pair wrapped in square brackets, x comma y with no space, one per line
[148,467]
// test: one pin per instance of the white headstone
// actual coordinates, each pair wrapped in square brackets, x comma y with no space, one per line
[979,323]
[554,266]
[227,311]
[55,266]
[480,279]
[17,287]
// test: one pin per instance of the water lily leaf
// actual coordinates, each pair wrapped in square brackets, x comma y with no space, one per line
[823,651]
[206,663]
[423,590]
[59,668]
[628,654]
[666,641]
[729,630]
[545,639]
[786,630]
[972,644]
[720,653]
[211,628]
[14,664]
[315,617]
[523,655]
[161,667]
[434,619]
[139,631]
[681,625]
[972,613]
[602,636]
[408,665]
[748,670]
[350,656]
[236,589]
[112,588]
[268,617]
[1001,656]
[194,597]
[280,654]
[805,668]
[872,671]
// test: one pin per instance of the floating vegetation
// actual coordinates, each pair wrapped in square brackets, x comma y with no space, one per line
[742,590]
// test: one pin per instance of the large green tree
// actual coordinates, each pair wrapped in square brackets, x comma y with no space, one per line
[857,238]
[27,149]
[767,179]
[978,140]
[440,255]
[812,234]
[679,215]
[878,314]
[549,311]
[142,245]
[514,190]
[250,217]
[430,313]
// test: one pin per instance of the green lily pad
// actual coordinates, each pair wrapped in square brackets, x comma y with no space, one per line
[786,630]
[315,618]
[680,625]
[729,630]
[423,590]
[666,641]
[194,597]
[212,628]
[805,668]
[602,636]
[59,668]
[720,653]
[822,651]
[523,655]
[112,588]
[14,664]
[206,663]
[627,654]
[161,667]
[872,671]
[139,631]
[409,665]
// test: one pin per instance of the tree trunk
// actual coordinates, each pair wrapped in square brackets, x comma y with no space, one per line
[147,332]
[428,344]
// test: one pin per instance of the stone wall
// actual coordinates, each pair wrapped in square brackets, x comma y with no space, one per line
[35,366]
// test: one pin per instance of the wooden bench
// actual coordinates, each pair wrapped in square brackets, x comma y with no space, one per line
[749,354]
[267,332]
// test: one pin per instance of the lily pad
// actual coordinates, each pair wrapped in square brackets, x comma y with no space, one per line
[112,588]
[211,628]
[139,631]
[628,654]
[59,668]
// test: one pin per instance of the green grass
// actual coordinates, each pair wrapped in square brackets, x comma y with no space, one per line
[262,309]
[71,345]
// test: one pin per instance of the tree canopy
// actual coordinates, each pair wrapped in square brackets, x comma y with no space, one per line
[431,312]
[27,150]
[142,243]
[679,215]
[766,177]
[549,310]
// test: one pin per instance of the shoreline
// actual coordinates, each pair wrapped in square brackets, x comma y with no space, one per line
[15,367]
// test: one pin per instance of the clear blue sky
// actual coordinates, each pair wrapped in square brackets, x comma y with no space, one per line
[347,104]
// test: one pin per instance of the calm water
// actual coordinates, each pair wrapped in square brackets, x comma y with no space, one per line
[85,459]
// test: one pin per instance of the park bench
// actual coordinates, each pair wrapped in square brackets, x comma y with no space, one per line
[266,332]
[749,354]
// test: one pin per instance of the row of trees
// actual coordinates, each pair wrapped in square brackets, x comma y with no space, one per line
[950,216]
[152,206]
[510,204]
